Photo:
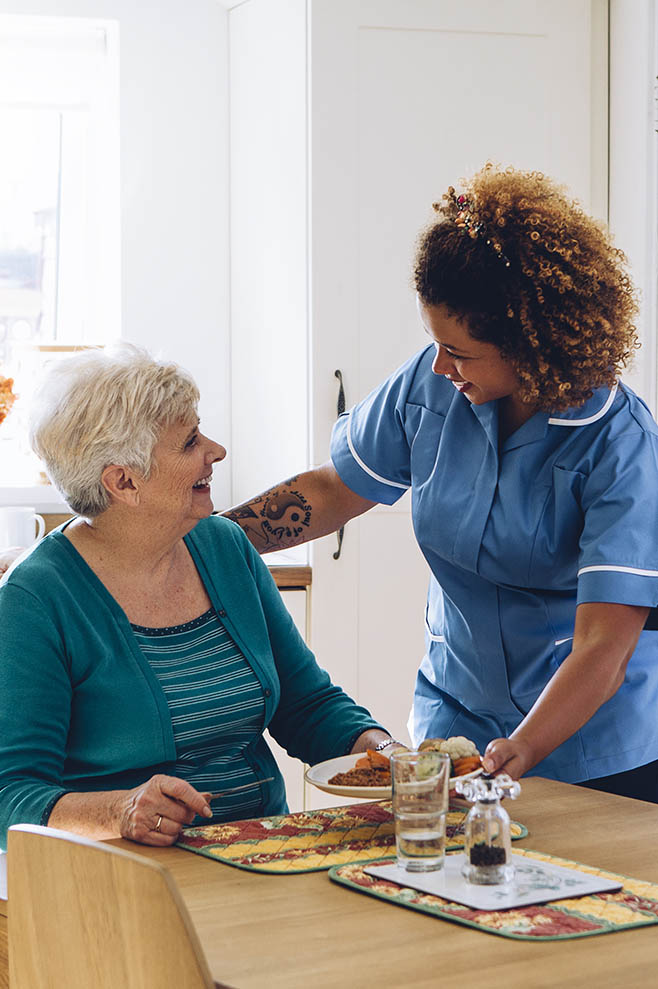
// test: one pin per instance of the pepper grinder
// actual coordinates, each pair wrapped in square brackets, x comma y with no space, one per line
[488,845]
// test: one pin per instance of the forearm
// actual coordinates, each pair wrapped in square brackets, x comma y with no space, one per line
[94,815]
[373,737]
[605,637]
[568,701]
[153,813]
[303,507]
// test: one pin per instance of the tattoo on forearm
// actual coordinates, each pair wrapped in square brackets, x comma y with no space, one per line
[275,519]
[241,513]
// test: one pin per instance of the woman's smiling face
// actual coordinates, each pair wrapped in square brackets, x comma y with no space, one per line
[476,369]
[179,484]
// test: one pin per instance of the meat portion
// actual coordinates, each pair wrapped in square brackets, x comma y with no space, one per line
[362,777]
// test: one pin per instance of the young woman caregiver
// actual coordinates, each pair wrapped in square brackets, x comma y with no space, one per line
[534,474]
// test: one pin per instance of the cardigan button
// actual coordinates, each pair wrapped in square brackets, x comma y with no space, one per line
[222,613]
[267,692]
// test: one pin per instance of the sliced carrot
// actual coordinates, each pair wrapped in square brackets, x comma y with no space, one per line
[466,764]
[372,760]
[377,760]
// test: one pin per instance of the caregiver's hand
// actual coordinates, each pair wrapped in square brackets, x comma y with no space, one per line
[508,755]
[155,812]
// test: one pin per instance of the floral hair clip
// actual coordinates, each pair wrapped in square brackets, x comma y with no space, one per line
[466,219]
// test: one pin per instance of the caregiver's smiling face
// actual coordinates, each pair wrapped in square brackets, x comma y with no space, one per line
[476,369]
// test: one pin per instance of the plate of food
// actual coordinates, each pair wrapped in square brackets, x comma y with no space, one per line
[368,774]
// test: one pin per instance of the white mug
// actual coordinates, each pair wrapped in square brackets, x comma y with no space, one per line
[20,527]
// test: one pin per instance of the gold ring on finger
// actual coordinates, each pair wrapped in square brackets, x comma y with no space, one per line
[157,827]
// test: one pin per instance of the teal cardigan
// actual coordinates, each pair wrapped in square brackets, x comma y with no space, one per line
[80,708]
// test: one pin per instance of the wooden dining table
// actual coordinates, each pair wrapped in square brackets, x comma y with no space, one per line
[303,930]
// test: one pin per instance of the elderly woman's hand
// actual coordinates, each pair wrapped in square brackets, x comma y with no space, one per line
[155,812]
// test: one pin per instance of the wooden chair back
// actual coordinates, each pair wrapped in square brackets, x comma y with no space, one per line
[87,915]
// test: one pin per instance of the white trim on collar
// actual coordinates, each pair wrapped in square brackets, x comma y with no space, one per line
[383,480]
[585,422]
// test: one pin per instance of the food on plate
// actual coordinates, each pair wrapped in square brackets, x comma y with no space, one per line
[463,753]
[373,760]
[457,747]
[372,769]
[460,767]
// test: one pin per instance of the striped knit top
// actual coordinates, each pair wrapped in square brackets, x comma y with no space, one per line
[217,708]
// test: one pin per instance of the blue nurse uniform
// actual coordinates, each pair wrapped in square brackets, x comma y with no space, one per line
[565,512]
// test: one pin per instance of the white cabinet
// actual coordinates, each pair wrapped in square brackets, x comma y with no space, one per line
[348,119]
[301,795]
[292,769]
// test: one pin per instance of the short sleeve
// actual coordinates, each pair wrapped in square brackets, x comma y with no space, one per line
[369,446]
[619,542]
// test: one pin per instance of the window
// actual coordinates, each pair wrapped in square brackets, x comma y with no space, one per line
[59,203]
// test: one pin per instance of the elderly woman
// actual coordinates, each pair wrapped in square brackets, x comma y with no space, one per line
[534,475]
[144,645]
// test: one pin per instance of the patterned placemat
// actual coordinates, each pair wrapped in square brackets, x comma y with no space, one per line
[312,840]
[636,905]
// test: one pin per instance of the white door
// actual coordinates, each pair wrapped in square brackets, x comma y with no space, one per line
[405,97]
[348,119]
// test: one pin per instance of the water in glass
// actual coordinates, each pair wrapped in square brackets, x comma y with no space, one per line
[420,805]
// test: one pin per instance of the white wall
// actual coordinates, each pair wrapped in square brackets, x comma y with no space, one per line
[633,164]
[269,248]
[174,185]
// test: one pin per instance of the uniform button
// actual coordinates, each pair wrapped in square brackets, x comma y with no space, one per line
[268,692]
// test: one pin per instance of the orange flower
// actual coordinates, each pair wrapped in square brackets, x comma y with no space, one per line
[7,397]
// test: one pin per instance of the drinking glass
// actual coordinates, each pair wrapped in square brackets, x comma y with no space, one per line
[420,804]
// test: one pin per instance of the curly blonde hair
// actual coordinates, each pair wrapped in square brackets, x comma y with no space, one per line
[532,273]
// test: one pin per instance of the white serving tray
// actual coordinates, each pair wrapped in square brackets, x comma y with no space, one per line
[534,881]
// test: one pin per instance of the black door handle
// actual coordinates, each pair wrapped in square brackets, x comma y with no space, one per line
[340,408]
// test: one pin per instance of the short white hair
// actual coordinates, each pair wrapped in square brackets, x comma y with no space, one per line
[103,407]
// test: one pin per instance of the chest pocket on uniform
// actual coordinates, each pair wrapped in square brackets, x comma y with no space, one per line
[554,559]
[424,430]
